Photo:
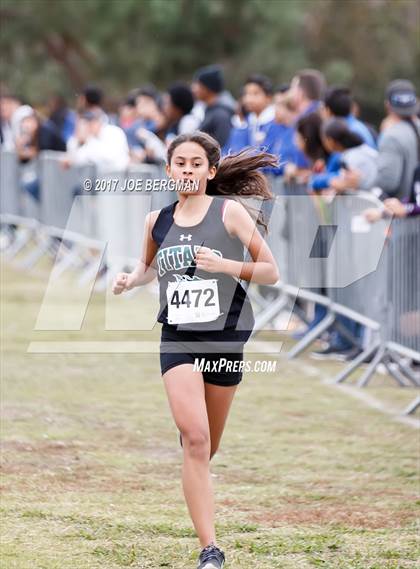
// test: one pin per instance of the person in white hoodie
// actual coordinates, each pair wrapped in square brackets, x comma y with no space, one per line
[12,113]
[97,142]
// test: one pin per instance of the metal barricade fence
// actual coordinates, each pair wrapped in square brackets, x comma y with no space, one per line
[311,232]
[120,213]
[139,204]
[347,269]
[403,287]
[402,330]
[352,269]
[277,224]
[10,191]
[66,203]
[268,302]
[357,264]
[58,188]
[301,240]
[293,232]
[382,264]
[306,245]
[356,276]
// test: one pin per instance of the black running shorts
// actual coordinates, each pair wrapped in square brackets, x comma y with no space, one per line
[219,352]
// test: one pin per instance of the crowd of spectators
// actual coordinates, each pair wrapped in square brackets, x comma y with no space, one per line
[315,130]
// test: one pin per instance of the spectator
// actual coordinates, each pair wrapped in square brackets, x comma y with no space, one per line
[340,160]
[152,149]
[309,140]
[398,141]
[207,87]
[306,90]
[97,142]
[338,104]
[257,99]
[90,99]
[177,106]
[280,135]
[149,110]
[240,118]
[309,143]
[62,116]
[284,109]
[358,160]
[137,102]
[238,137]
[12,112]
[356,112]
[397,208]
[36,135]
[147,126]
[127,113]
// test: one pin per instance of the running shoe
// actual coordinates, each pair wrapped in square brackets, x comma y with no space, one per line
[330,353]
[211,557]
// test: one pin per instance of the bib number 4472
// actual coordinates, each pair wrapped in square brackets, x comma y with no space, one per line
[193,301]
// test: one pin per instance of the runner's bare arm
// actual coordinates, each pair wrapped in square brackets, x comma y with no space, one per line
[145,270]
[263,269]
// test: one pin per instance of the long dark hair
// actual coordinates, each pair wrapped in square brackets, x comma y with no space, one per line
[309,127]
[236,174]
[338,130]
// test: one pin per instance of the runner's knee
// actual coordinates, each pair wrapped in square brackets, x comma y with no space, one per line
[196,442]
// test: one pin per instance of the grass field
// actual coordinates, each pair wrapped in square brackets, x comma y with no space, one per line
[306,476]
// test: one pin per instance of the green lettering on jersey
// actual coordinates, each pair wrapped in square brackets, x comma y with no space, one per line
[177,257]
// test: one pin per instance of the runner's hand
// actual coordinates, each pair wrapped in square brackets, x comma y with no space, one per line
[207,260]
[122,282]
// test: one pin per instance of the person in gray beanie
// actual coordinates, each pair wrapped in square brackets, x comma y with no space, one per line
[208,87]
[399,141]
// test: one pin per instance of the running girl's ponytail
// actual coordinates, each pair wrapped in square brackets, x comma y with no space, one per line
[237,174]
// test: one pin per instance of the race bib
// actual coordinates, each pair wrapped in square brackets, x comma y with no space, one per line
[193,301]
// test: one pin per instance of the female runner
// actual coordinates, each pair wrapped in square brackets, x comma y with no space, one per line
[196,247]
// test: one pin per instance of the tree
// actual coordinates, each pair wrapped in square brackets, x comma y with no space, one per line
[60,45]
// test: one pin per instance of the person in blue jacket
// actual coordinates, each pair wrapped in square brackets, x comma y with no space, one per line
[280,138]
[257,99]
[338,104]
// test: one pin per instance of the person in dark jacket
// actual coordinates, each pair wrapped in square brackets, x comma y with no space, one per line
[178,103]
[35,136]
[208,87]
[62,116]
